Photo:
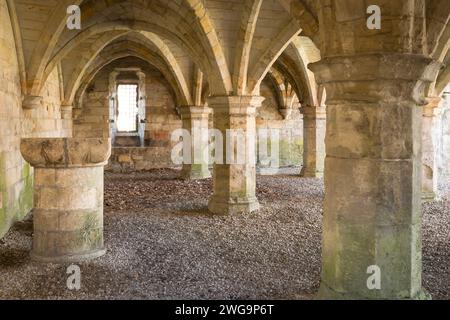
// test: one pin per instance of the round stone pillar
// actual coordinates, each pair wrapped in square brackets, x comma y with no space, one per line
[68,197]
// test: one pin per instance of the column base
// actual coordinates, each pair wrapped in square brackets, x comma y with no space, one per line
[69,258]
[326,293]
[267,171]
[188,173]
[305,173]
[233,206]
[429,196]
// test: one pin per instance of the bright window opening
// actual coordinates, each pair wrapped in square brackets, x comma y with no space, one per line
[127,108]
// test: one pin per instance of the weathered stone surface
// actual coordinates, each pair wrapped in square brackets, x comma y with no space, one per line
[68,215]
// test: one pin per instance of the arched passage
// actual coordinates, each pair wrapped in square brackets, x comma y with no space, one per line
[239,53]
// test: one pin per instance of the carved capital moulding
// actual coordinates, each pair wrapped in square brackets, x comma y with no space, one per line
[32,102]
[65,152]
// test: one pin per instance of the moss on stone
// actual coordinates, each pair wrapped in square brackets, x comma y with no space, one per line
[291,152]
[297,151]
[4,225]
[285,153]
[25,203]
[11,212]
[91,235]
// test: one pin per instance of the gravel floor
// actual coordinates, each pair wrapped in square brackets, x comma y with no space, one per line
[163,244]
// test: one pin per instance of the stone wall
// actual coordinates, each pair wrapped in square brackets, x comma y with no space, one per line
[16,182]
[92,120]
[127,159]
[291,129]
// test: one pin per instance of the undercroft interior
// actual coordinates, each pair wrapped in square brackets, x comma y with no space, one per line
[225,149]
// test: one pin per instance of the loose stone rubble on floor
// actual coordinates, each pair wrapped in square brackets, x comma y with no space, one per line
[163,244]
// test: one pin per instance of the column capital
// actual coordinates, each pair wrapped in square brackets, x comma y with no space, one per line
[32,102]
[286,113]
[141,75]
[312,112]
[433,107]
[235,104]
[192,110]
[65,152]
[375,77]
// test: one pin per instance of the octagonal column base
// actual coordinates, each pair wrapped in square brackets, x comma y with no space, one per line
[217,205]
[195,172]
[429,197]
[69,258]
[305,173]
[326,293]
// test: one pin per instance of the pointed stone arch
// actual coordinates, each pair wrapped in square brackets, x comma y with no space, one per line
[148,40]
[196,38]
[133,49]
[48,40]
[270,55]
[220,83]
[248,25]
[18,42]
[284,91]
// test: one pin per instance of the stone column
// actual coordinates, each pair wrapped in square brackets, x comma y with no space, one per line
[235,175]
[372,209]
[68,197]
[32,102]
[429,147]
[195,121]
[314,127]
